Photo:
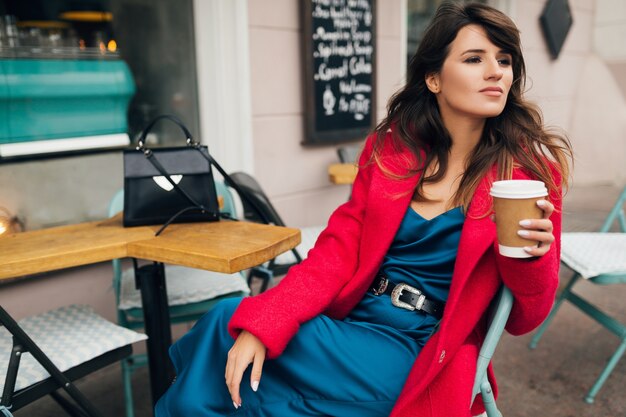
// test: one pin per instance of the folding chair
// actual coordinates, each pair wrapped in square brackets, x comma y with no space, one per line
[500,310]
[47,352]
[601,259]
[258,208]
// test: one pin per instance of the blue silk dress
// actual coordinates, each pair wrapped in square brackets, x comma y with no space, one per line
[351,367]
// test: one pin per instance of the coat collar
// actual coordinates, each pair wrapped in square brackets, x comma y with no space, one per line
[389,198]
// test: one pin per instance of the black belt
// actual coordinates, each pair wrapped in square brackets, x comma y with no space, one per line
[407,297]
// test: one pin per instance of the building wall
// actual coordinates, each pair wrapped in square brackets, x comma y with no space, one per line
[609,36]
[294,176]
[577,92]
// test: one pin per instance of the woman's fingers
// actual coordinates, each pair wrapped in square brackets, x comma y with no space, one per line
[539,230]
[538,236]
[235,383]
[547,207]
[231,377]
[257,370]
[544,225]
[537,250]
[246,350]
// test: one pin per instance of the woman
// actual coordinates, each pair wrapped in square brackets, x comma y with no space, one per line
[419,214]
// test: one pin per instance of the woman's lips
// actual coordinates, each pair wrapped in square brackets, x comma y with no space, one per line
[492,91]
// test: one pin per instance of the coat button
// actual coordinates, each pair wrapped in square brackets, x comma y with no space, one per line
[442,356]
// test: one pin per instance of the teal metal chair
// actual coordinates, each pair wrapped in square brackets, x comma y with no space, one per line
[601,259]
[500,310]
[349,154]
[191,292]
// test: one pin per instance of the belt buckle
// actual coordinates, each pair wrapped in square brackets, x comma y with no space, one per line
[397,292]
[382,287]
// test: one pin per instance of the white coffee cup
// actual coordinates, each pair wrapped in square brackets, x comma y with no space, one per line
[513,201]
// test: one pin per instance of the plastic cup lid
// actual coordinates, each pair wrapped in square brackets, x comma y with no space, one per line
[518,189]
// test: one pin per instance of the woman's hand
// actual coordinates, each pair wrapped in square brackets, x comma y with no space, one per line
[247,350]
[539,230]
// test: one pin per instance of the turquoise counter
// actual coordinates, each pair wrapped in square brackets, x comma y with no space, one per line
[42,100]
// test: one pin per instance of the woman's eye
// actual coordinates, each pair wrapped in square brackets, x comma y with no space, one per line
[473,60]
[505,61]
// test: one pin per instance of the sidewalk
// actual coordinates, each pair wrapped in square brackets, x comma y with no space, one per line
[549,381]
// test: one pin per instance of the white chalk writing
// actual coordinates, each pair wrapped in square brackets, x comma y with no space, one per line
[343,54]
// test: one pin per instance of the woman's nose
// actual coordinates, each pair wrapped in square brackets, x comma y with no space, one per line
[494,71]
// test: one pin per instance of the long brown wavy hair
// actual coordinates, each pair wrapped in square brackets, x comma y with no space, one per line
[515,138]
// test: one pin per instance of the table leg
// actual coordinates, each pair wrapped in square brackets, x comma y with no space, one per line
[150,280]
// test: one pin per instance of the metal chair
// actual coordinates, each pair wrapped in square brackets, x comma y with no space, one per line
[349,154]
[601,259]
[191,293]
[257,207]
[500,310]
[47,352]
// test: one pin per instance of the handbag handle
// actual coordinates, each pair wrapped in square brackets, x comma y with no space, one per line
[231,183]
[150,155]
[141,146]
[141,143]
[191,143]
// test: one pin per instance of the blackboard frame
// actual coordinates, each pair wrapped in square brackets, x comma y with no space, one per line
[313,136]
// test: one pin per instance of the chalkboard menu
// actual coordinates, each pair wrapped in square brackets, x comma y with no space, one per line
[339,51]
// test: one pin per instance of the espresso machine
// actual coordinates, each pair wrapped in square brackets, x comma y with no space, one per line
[63,86]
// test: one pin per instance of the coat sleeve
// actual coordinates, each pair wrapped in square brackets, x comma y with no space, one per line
[534,281]
[309,288]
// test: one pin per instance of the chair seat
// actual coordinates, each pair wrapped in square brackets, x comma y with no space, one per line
[594,254]
[69,336]
[308,237]
[184,286]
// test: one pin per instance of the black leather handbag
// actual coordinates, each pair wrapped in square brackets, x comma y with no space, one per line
[168,185]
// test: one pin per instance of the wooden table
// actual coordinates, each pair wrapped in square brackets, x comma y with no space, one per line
[342,173]
[224,246]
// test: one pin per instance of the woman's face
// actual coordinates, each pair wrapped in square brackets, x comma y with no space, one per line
[475,78]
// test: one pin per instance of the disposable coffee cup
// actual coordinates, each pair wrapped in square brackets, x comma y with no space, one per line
[513,201]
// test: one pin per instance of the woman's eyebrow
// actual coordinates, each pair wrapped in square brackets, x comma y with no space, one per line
[474,51]
[482,51]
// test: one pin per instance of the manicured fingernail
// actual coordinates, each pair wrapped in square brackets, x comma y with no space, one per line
[528,249]
[541,203]
[525,223]
[255,385]
[523,232]
[236,405]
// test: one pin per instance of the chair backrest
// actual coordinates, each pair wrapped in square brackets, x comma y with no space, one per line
[256,204]
[348,154]
[500,310]
[228,204]
[617,213]
[115,206]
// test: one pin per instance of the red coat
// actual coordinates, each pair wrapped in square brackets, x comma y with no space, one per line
[340,268]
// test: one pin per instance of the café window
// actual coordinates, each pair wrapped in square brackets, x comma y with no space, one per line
[88,75]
